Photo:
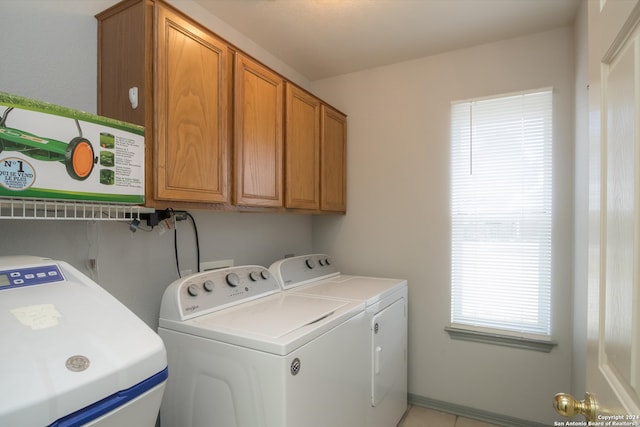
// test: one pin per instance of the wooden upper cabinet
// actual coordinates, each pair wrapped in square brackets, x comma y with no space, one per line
[333,149]
[302,149]
[258,134]
[182,72]
[196,91]
[192,106]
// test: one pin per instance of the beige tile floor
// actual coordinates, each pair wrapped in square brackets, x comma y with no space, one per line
[423,417]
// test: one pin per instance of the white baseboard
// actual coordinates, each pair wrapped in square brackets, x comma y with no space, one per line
[467,412]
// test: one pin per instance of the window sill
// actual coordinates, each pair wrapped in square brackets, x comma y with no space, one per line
[498,339]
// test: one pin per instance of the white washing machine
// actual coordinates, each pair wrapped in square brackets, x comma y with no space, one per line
[243,353]
[386,302]
[73,355]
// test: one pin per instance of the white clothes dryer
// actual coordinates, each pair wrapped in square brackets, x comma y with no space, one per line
[386,302]
[243,353]
[72,355]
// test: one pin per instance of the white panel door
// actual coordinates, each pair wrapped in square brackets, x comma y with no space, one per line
[613,359]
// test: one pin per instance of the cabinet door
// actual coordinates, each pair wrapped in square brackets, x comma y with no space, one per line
[333,162]
[258,140]
[192,91]
[121,61]
[302,150]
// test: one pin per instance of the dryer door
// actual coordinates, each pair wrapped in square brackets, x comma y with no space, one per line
[389,338]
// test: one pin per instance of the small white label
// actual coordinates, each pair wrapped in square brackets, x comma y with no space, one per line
[40,316]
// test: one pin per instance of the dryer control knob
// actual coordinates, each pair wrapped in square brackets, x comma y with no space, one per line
[233,280]
[310,263]
[208,285]
[254,276]
[265,274]
[192,290]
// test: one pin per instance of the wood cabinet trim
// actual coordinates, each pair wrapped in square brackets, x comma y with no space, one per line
[264,186]
[198,102]
[333,186]
[302,149]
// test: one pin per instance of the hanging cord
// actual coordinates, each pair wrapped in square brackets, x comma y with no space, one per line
[175,248]
[175,241]
[195,230]
[471,139]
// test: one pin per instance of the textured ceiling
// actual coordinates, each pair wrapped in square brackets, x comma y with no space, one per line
[324,38]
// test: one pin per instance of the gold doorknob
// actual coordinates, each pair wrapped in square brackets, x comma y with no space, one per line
[567,406]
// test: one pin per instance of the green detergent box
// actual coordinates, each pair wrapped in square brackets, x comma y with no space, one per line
[52,152]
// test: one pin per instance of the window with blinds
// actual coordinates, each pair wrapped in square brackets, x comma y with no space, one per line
[501,209]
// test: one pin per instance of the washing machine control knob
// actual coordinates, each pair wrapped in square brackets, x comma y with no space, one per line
[310,263]
[233,280]
[208,285]
[324,262]
[254,276]
[265,274]
[192,290]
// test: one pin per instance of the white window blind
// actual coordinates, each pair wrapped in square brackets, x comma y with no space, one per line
[501,214]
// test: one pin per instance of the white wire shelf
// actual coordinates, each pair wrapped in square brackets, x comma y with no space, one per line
[67,210]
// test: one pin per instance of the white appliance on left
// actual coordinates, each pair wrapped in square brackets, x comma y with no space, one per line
[72,354]
[245,354]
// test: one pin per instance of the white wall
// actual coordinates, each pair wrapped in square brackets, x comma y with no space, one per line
[136,268]
[398,211]
[50,53]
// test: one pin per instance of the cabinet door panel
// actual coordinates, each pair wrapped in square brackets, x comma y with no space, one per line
[258,137]
[121,63]
[333,161]
[302,148]
[192,91]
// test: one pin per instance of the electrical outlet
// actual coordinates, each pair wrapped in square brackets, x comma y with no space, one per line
[214,265]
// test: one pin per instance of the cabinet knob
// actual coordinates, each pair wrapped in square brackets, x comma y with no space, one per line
[133,97]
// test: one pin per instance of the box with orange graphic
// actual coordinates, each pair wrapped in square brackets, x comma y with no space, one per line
[52,152]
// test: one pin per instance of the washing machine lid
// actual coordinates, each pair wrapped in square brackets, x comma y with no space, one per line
[276,324]
[317,274]
[360,288]
[67,343]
